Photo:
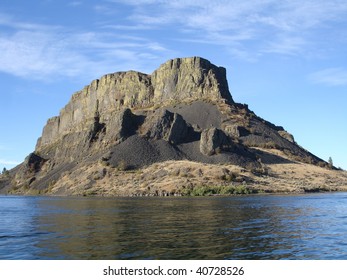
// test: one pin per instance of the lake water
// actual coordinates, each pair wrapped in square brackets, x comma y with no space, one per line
[310,226]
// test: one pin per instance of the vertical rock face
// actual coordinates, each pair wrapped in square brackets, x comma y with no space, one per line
[120,125]
[111,93]
[177,80]
[194,78]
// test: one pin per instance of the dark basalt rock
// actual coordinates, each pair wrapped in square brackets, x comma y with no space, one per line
[166,125]
[214,141]
[34,162]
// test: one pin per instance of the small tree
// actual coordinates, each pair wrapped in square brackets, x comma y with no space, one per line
[330,162]
[5,171]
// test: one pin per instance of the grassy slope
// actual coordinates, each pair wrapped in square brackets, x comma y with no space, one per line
[193,178]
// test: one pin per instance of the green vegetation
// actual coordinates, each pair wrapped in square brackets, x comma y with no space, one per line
[90,193]
[330,162]
[217,190]
[5,172]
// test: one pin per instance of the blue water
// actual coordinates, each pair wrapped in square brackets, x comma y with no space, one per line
[310,226]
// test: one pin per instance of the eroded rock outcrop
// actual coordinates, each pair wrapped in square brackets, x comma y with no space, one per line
[287,135]
[214,141]
[177,80]
[166,125]
[34,162]
[129,120]
[119,126]
[190,78]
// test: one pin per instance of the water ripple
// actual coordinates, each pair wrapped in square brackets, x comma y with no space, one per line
[254,227]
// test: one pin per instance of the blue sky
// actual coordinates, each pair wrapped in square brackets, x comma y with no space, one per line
[287,59]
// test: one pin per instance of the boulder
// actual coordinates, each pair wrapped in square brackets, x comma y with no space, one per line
[236,131]
[213,141]
[163,124]
[287,135]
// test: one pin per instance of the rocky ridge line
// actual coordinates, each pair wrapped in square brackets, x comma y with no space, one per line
[175,81]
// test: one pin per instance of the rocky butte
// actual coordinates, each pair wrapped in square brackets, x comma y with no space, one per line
[175,132]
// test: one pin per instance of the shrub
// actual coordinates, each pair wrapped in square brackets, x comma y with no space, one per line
[5,172]
[217,190]
[330,162]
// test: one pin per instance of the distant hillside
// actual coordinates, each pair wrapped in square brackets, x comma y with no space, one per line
[129,123]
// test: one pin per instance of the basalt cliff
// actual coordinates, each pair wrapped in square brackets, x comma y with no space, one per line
[175,132]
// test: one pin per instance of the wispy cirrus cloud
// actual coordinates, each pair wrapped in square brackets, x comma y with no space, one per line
[9,162]
[42,52]
[330,77]
[5,161]
[271,26]
[286,45]
[229,14]
[142,31]
[75,3]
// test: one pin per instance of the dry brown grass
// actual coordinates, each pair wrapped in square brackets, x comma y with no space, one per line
[181,177]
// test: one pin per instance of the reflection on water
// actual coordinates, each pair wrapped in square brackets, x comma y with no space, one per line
[253,227]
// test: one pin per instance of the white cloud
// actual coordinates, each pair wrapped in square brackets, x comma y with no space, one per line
[28,53]
[8,162]
[247,29]
[283,27]
[10,22]
[4,161]
[40,52]
[286,45]
[75,3]
[126,27]
[330,77]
